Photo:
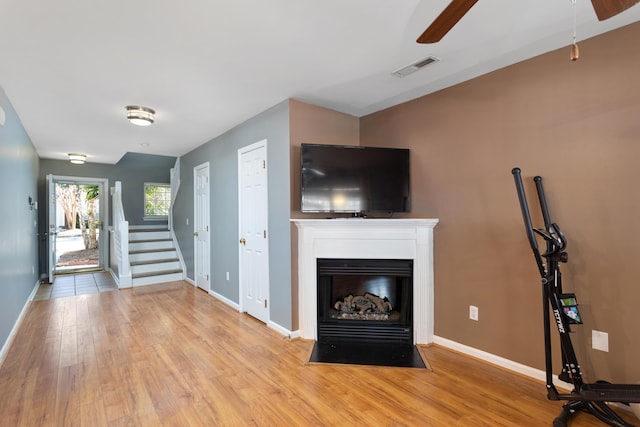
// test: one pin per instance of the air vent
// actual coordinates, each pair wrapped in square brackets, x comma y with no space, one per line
[412,68]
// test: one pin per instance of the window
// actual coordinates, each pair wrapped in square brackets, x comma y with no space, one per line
[157,200]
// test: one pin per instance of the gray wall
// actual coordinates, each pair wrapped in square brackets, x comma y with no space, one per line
[133,170]
[18,228]
[222,155]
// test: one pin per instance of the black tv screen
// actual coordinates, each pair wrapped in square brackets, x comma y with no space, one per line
[354,179]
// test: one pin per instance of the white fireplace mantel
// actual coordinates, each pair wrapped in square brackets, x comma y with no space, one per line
[361,238]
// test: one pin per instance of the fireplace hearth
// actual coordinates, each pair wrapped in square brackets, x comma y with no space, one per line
[367,353]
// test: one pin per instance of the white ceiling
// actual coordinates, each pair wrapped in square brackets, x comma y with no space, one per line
[70,67]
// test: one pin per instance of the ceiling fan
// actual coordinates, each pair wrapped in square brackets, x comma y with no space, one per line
[450,16]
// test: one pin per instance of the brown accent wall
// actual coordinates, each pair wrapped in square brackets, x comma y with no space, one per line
[577,124]
[311,124]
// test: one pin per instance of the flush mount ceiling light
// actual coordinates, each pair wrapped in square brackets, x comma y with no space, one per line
[141,116]
[77,159]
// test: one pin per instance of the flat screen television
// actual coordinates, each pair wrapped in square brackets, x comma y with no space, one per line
[354,179]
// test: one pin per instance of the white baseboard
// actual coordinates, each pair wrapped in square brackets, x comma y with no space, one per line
[519,368]
[281,330]
[295,334]
[16,325]
[225,300]
[186,279]
[34,291]
[272,325]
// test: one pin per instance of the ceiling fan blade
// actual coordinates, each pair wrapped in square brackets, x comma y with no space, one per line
[447,19]
[605,9]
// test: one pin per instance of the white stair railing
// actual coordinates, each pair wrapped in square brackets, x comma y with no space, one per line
[121,238]
[174,177]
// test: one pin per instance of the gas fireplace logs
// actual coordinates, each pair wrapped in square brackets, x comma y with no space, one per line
[367,307]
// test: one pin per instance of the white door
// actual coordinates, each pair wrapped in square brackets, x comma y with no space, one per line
[254,236]
[201,225]
[63,241]
[51,227]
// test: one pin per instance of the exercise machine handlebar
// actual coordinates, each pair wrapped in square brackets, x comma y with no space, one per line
[524,207]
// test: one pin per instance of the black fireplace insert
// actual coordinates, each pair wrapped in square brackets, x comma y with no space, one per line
[365,313]
[365,300]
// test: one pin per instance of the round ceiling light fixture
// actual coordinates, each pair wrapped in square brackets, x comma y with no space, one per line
[141,116]
[77,159]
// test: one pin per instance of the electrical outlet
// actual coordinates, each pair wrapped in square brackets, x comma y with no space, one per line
[187,221]
[473,312]
[227,275]
[600,340]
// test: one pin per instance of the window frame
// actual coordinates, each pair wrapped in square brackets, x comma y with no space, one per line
[146,216]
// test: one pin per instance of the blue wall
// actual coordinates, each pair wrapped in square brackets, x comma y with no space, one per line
[222,155]
[19,226]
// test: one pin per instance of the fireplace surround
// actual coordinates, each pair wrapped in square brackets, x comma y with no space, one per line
[363,238]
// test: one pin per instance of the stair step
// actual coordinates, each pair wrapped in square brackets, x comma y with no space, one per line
[150,251]
[152,280]
[156,273]
[150,240]
[149,235]
[152,255]
[151,245]
[154,261]
[159,266]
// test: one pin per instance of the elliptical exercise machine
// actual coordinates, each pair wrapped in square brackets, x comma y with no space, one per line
[590,398]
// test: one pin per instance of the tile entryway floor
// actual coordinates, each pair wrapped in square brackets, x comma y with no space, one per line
[76,284]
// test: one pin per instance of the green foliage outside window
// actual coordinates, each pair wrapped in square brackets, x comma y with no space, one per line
[157,200]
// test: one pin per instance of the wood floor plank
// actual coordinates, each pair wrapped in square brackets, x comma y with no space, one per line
[172,355]
[67,398]
[93,414]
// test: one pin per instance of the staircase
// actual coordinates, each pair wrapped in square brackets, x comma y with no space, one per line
[153,256]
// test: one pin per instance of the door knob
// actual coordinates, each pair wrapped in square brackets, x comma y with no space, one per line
[195,233]
[243,241]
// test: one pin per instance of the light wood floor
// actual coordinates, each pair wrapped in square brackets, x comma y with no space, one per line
[171,355]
